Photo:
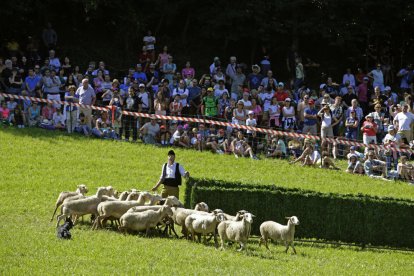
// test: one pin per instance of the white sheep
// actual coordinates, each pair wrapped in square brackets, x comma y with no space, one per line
[81,190]
[180,214]
[146,220]
[201,206]
[279,232]
[204,224]
[169,201]
[115,209]
[82,206]
[238,231]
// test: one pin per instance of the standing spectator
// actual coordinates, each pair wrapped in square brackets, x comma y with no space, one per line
[223,103]
[67,67]
[348,76]
[239,114]
[288,119]
[144,98]
[15,81]
[327,122]
[407,76]
[362,94]
[140,75]
[245,99]
[337,111]
[310,119]
[231,69]
[216,64]
[265,80]
[210,104]
[378,116]
[71,110]
[254,79]
[51,86]
[176,106]
[219,75]
[49,37]
[54,63]
[149,42]
[101,66]
[348,97]
[132,104]
[188,72]
[299,73]
[351,124]
[86,96]
[237,80]
[377,98]
[274,113]
[369,130]
[220,89]
[358,110]
[302,105]
[163,58]
[182,92]
[403,121]
[169,69]
[171,177]
[280,93]
[150,131]
[378,77]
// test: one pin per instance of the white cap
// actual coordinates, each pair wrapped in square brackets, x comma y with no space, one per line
[251,112]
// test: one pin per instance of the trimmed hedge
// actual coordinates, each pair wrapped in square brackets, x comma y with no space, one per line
[347,218]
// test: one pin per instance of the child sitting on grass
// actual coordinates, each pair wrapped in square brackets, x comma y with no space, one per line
[405,170]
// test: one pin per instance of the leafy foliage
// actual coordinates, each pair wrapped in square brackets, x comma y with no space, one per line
[348,218]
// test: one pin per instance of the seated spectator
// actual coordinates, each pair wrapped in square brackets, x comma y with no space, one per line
[295,147]
[354,166]
[327,162]
[405,170]
[180,138]
[241,148]
[34,114]
[150,131]
[352,150]
[277,148]
[58,120]
[308,157]
[375,168]
[165,135]
[223,144]
[18,117]
[4,114]
[47,111]
[103,128]
[82,126]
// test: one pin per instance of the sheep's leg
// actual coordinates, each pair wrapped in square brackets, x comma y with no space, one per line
[215,240]
[293,247]
[241,246]
[172,228]
[222,243]
[59,218]
[199,238]
[287,246]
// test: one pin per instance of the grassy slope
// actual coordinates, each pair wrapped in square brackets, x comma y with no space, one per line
[37,165]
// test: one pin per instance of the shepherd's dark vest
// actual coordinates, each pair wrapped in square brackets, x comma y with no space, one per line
[174,182]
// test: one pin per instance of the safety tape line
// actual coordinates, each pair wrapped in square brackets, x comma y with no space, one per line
[337,140]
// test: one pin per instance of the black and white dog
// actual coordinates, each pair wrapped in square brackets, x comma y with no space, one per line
[63,231]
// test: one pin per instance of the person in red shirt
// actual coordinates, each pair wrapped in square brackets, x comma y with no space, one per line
[369,129]
[281,93]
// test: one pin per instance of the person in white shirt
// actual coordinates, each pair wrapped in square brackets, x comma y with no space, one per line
[378,77]
[171,177]
[348,76]
[404,120]
[183,92]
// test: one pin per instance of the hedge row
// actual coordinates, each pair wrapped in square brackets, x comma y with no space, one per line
[347,218]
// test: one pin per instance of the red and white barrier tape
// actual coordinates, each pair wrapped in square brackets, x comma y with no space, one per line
[206,121]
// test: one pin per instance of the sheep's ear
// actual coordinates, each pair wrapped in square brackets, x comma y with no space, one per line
[287,217]
[253,216]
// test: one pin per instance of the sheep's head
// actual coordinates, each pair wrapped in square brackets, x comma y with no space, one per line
[156,198]
[293,220]
[248,217]
[172,201]
[239,214]
[110,191]
[82,188]
[133,196]
[202,206]
[217,211]
[167,211]
[220,217]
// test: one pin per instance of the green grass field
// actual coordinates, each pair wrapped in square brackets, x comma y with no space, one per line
[37,165]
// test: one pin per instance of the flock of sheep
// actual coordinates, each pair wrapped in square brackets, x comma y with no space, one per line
[142,211]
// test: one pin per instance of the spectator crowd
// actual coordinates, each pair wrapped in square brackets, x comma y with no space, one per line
[363,105]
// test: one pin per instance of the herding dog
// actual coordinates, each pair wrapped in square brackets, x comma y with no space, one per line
[63,231]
